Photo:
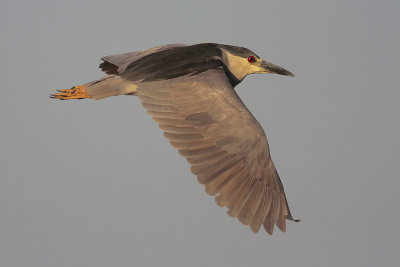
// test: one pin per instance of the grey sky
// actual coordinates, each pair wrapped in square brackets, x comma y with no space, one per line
[76,184]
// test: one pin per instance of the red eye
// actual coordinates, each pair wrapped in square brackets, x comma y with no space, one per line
[251,59]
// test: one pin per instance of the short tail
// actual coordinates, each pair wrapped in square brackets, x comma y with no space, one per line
[107,86]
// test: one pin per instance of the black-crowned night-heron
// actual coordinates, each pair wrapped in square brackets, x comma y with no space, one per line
[188,90]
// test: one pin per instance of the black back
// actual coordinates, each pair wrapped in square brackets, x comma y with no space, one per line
[174,62]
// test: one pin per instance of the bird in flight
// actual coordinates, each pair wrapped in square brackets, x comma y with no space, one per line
[189,91]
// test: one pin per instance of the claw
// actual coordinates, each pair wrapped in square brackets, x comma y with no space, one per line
[77,92]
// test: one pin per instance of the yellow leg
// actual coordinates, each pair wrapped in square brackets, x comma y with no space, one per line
[76,92]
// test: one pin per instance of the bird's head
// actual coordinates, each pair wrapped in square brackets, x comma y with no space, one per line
[241,62]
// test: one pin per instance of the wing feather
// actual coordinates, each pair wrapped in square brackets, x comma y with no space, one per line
[236,203]
[203,117]
[170,121]
[177,129]
[216,181]
[272,214]
[281,222]
[156,101]
[159,115]
[183,137]
[159,108]
[206,160]
[187,145]
[189,153]
[227,192]
[248,200]
[223,161]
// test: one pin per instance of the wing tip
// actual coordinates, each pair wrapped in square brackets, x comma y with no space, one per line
[108,67]
[290,218]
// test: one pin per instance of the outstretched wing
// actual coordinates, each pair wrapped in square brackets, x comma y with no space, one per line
[116,64]
[203,117]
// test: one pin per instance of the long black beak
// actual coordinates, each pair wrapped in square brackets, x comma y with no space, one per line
[272,68]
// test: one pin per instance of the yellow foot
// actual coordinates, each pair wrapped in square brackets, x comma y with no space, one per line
[76,92]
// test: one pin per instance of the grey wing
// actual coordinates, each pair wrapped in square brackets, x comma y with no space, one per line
[203,117]
[116,64]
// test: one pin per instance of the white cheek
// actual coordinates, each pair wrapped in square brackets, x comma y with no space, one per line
[243,68]
[240,67]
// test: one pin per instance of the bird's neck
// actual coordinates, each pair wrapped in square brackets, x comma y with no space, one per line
[232,78]
[235,66]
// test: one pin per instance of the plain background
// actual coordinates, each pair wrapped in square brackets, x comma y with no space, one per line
[94,183]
